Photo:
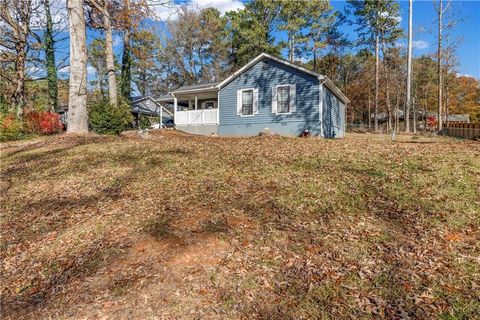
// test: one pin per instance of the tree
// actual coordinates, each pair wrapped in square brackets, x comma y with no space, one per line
[440,9]
[250,31]
[16,14]
[377,22]
[50,58]
[103,7]
[409,67]
[77,99]
[128,20]
[293,19]
[323,29]
[144,47]
[196,50]
[96,58]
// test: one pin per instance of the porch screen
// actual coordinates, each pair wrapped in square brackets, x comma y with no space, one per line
[247,102]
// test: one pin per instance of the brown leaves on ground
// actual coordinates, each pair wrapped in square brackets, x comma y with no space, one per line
[169,226]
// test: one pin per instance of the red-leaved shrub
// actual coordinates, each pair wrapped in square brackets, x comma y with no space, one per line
[42,122]
[431,121]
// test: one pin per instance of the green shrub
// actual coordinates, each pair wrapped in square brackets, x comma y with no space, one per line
[143,122]
[104,118]
[10,127]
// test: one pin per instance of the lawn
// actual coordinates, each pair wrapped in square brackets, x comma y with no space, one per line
[171,226]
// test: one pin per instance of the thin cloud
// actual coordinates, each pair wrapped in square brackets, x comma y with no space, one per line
[420,44]
[170,12]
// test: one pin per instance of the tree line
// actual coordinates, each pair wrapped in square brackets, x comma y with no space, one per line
[379,76]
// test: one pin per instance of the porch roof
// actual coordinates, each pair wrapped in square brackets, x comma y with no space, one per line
[202,87]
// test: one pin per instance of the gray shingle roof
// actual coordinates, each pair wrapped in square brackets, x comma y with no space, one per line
[198,86]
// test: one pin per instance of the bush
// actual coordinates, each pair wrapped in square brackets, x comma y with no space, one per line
[42,122]
[104,118]
[10,128]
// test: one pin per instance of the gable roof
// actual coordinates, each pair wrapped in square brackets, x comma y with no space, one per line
[261,56]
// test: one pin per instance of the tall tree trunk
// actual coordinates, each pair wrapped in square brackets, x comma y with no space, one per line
[77,94]
[19,93]
[439,66]
[387,86]
[414,109]
[50,59]
[377,63]
[112,80]
[369,111]
[409,67]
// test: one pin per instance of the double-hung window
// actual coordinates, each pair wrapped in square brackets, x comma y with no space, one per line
[283,99]
[247,102]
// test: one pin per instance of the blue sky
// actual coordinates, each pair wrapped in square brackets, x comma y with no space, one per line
[424,26]
[425,31]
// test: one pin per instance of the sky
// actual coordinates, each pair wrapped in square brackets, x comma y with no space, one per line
[424,28]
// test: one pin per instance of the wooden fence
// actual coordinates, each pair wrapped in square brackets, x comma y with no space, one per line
[462,130]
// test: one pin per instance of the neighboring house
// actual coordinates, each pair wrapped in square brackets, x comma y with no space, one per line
[267,93]
[147,106]
[458,118]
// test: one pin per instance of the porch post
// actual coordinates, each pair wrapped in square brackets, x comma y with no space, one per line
[218,107]
[161,117]
[196,102]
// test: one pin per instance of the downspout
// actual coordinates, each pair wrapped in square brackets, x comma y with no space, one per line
[320,106]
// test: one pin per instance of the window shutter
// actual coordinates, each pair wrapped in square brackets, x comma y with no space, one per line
[255,101]
[239,102]
[293,94]
[274,99]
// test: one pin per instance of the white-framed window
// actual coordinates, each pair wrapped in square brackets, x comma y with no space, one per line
[247,102]
[283,98]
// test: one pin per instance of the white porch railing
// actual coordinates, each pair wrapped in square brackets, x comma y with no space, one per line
[196,117]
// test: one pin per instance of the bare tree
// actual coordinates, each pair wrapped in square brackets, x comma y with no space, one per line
[103,8]
[77,98]
[16,14]
[438,5]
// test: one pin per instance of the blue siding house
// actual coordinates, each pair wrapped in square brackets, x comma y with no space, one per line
[268,93]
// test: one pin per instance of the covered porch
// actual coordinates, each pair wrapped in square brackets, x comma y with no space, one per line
[196,105]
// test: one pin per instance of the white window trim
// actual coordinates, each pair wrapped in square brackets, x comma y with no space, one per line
[289,108]
[253,98]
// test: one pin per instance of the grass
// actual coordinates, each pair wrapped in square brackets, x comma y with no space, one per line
[188,227]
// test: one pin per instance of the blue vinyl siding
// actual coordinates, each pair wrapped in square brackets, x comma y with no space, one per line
[264,75]
[333,115]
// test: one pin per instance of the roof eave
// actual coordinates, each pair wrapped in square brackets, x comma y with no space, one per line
[329,83]
[208,89]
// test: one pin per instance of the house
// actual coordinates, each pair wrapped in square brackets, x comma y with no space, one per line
[266,93]
[147,106]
